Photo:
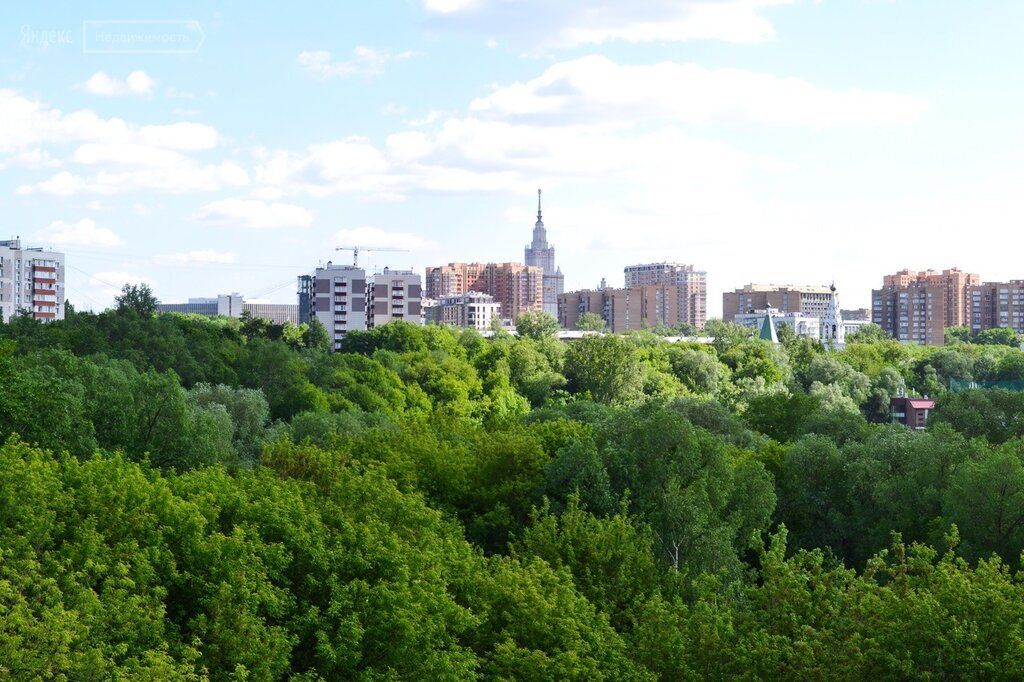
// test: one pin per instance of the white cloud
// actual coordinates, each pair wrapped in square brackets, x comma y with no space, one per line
[82,233]
[33,159]
[136,83]
[176,179]
[202,257]
[374,236]
[568,23]
[449,6]
[595,89]
[156,156]
[365,62]
[254,214]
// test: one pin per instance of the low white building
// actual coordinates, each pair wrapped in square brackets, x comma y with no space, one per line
[233,305]
[474,309]
[830,328]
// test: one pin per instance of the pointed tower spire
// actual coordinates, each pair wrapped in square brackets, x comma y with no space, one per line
[538,206]
[767,331]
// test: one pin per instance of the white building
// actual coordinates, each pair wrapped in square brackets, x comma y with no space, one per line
[473,309]
[234,305]
[833,333]
[32,281]
[830,328]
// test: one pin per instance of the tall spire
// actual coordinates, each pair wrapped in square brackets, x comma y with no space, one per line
[539,219]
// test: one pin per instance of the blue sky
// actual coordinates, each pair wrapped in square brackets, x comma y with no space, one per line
[762,140]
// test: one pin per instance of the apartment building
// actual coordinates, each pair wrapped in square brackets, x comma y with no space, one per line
[393,295]
[640,307]
[995,304]
[335,295]
[473,309]
[31,280]
[234,305]
[917,307]
[517,288]
[808,301]
[692,285]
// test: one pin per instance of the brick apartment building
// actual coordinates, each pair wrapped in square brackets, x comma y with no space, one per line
[917,307]
[516,287]
[807,301]
[640,307]
[995,304]
[691,285]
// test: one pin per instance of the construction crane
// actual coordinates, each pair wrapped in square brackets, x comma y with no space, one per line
[356,249]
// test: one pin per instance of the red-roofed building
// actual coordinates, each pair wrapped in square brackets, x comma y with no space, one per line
[911,412]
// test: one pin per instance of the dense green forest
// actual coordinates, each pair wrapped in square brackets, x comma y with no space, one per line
[190,498]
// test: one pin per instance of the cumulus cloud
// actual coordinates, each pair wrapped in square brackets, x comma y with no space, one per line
[568,23]
[364,62]
[85,232]
[595,89]
[136,83]
[181,178]
[120,156]
[254,214]
[374,236]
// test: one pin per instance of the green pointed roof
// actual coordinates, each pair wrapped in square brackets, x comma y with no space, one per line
[767,332]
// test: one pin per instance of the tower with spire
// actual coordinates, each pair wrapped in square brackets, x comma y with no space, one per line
[833,333]
[542,255]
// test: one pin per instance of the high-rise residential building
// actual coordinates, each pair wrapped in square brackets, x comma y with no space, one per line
[517,288]
[344,299]
[538,253]
[691,283]
[622,310]
[995,304]
[393,295]
[337,298]
[234,305]
[917,307]
[809,301]
[473,309]
[31,281]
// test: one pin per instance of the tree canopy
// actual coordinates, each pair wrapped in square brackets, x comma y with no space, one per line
[192,498]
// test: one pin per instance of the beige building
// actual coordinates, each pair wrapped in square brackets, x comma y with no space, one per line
[917,307]
[692,286]
[516,287]
[622,310]
[808,301]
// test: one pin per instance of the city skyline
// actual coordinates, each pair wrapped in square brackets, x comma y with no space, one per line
[689,131]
